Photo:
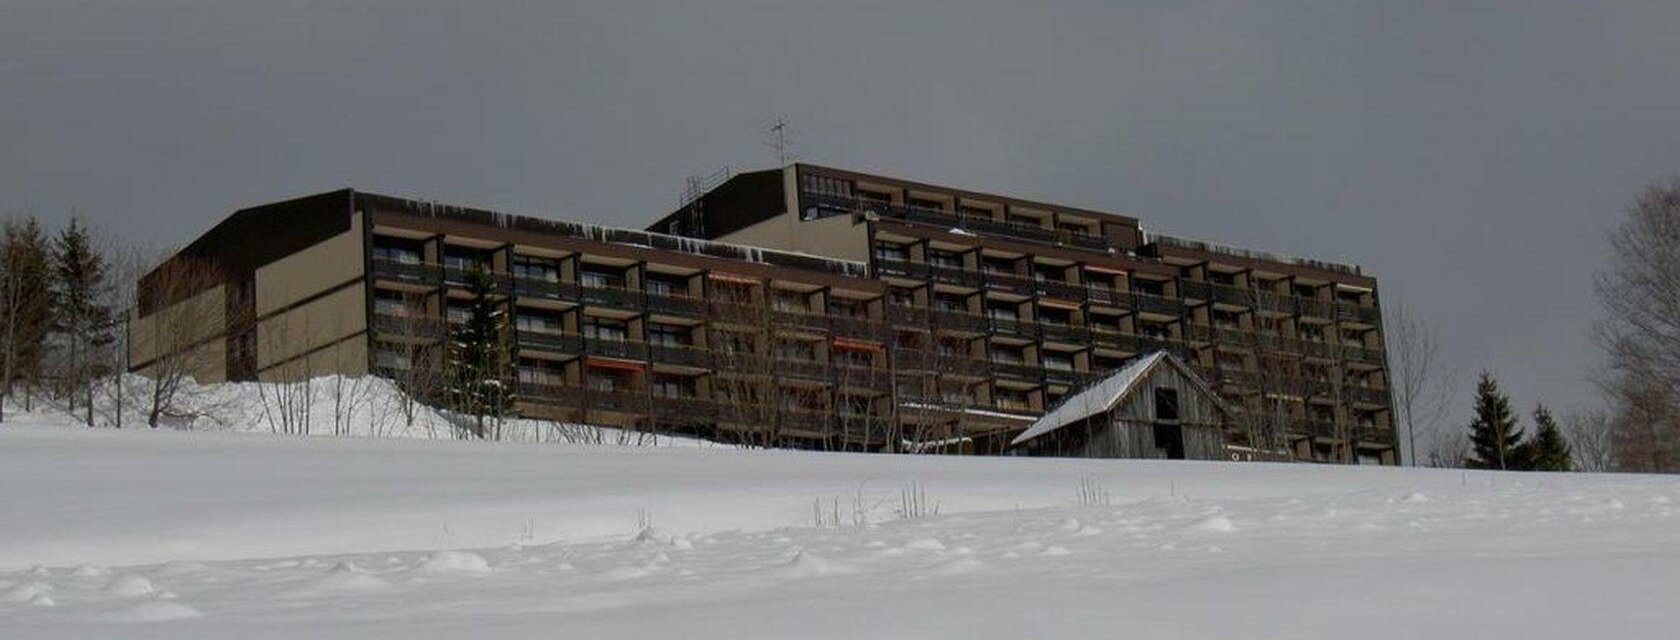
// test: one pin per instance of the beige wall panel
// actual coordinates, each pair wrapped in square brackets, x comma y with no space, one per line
[349,358]
[834,237]
[178,326]
[320,322]
[310,271]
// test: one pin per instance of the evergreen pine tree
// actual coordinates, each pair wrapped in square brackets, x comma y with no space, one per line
[81,313]
[1548,451]
[25,304]
[479,356]
[1495,439]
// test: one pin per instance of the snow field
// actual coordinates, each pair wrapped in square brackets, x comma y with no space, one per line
[217,535]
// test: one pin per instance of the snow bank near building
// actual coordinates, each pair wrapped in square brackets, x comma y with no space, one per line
[360,407]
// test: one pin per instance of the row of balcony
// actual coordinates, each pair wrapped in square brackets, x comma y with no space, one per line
[948,220]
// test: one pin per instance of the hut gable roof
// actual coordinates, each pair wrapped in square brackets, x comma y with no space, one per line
[1103,395]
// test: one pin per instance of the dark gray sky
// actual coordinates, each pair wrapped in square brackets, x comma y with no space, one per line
[1469,154]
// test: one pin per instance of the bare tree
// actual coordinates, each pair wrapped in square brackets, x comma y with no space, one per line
[1421,385]
[1448,449]
[1639,289]
[177,320]
[1590,438]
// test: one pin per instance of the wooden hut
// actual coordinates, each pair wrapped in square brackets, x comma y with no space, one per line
[1155,407]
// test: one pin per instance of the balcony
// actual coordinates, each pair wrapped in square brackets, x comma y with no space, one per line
[1060,290]
[859,328]
[1367,395]
[1126,342]
[618,349]
[1158,305]
[1109,297]
[680,355]
[549,341]
[387,325]
[859,377]
[963,366]
[427,275]
[1064,333]
[898,314]
[802,369]
[545,289]
[1233,296]
[674,305]
[612,297]
[957,321]
[1007,283]
[1017,370]
[946,220]
[1195,290]
[1274,303]
[1013,328]
[799,320]
[684,409]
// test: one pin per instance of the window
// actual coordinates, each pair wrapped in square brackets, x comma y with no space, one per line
[876,197]
[1149,287]
[947,259]
[463,258]
[1049,273]
[824,185]
[991,264]
[537,323]
[458,314]
[605,328]
[670,334]
[924,203]
[1024,220]
[535,268]
[1058,360]
[386,358]
[974,212]
[950,302]
[1008,355]
[1002,312]
[903,296]
[665,386]
[1155,330]
[1099,280]
[661,284]
[852,357]
[733,342]
[600,276]
[889,251]
[1075,228]
[1012,399]
[848,307]
[387,304]
[1166,405]
[397,254]
[798,350]
[794,301]
[1052,315]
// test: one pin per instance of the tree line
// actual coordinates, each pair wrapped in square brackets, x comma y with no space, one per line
[59,316]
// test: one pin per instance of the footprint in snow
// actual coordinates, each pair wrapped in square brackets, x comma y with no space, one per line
[1213,524]
[152,612]
[456,562]
[924,544]
[90,571]
[129,586]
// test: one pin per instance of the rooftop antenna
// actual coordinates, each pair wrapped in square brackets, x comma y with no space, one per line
[778,140]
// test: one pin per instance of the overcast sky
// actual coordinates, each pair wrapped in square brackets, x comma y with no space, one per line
[1469,155]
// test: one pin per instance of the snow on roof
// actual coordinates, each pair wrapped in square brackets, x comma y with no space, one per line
[1103,395]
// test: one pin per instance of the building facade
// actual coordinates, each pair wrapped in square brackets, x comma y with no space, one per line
[801,306]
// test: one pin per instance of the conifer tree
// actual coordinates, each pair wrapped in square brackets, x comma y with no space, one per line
[1495,439]
[1548,451]
[25,302]
[479,355]
[82,315]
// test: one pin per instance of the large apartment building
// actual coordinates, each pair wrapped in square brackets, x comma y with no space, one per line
[800,306]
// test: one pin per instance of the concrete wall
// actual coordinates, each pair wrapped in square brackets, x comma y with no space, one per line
[322,266]
[195,326]
[283,338]
[833,237]
[297,316]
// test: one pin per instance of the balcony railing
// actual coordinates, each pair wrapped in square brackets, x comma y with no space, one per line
[1159,305]
[957,321]
[679,354]
[429,275]
[1109,297]
[618,349]
[408,326]
[549,341]
[947,220]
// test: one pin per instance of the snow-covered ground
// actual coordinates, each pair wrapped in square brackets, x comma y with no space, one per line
[143,534]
